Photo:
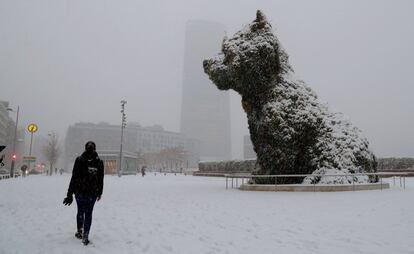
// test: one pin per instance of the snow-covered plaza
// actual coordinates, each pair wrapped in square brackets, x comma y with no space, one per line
[187,214]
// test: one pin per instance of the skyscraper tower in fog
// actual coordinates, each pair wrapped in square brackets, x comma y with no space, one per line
[205,110]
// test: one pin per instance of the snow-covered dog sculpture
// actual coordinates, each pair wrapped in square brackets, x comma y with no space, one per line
[291,131]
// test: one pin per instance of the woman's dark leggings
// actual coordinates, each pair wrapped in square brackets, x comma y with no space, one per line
[85,207]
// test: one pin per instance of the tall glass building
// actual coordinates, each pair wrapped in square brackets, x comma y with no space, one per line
[205,110]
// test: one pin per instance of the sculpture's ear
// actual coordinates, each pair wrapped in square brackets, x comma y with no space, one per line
[260,17]
[260,21]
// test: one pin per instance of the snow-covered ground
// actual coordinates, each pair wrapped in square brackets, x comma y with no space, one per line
[186,214]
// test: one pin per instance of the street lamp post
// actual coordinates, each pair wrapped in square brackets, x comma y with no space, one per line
[32,128]
[52,151]
[14,142]
[123,125]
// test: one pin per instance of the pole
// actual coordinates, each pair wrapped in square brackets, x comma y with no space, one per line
[31,142]
[14,143]
[120,153]
[123,123]
[276,183]
[30,150]
[353,183]
[404,181]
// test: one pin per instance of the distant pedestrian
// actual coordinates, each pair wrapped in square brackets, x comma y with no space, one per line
[87,185]
[61,171]
[23,169]
[143,169]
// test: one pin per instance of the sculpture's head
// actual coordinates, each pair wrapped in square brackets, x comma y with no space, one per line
[250,61]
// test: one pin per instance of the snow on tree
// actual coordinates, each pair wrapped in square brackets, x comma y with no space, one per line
[291,131]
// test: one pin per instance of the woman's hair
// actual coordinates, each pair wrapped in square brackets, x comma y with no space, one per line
[90,143]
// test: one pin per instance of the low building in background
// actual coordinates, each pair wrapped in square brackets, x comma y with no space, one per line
[107,138]
[142,146]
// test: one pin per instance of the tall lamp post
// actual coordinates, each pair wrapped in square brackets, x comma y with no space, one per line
[123,125]
[14,142]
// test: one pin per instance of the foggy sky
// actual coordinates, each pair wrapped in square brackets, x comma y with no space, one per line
[74,60]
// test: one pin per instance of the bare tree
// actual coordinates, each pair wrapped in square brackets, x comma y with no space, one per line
[52,151]
[165,159]
[172,156]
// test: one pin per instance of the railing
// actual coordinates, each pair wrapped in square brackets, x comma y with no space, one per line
[7,176]
[235,178]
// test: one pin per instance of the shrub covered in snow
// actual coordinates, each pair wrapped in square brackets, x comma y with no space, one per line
[291,131]
[231,166]
[395,163]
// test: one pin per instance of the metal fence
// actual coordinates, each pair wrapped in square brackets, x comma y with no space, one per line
[235,178]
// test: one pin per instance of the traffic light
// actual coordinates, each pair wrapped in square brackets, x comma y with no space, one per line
[14,156]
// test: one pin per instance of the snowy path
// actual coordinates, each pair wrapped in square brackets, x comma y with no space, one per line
[185,214]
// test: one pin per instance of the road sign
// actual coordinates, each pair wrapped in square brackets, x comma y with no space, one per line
[32,128]
[29,158]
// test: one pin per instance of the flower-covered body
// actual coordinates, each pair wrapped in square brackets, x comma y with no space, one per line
[291,131]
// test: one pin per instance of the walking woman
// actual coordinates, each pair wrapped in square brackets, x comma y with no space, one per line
[87,185]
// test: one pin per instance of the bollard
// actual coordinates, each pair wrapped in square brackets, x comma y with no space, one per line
[353,183]
[404,182]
